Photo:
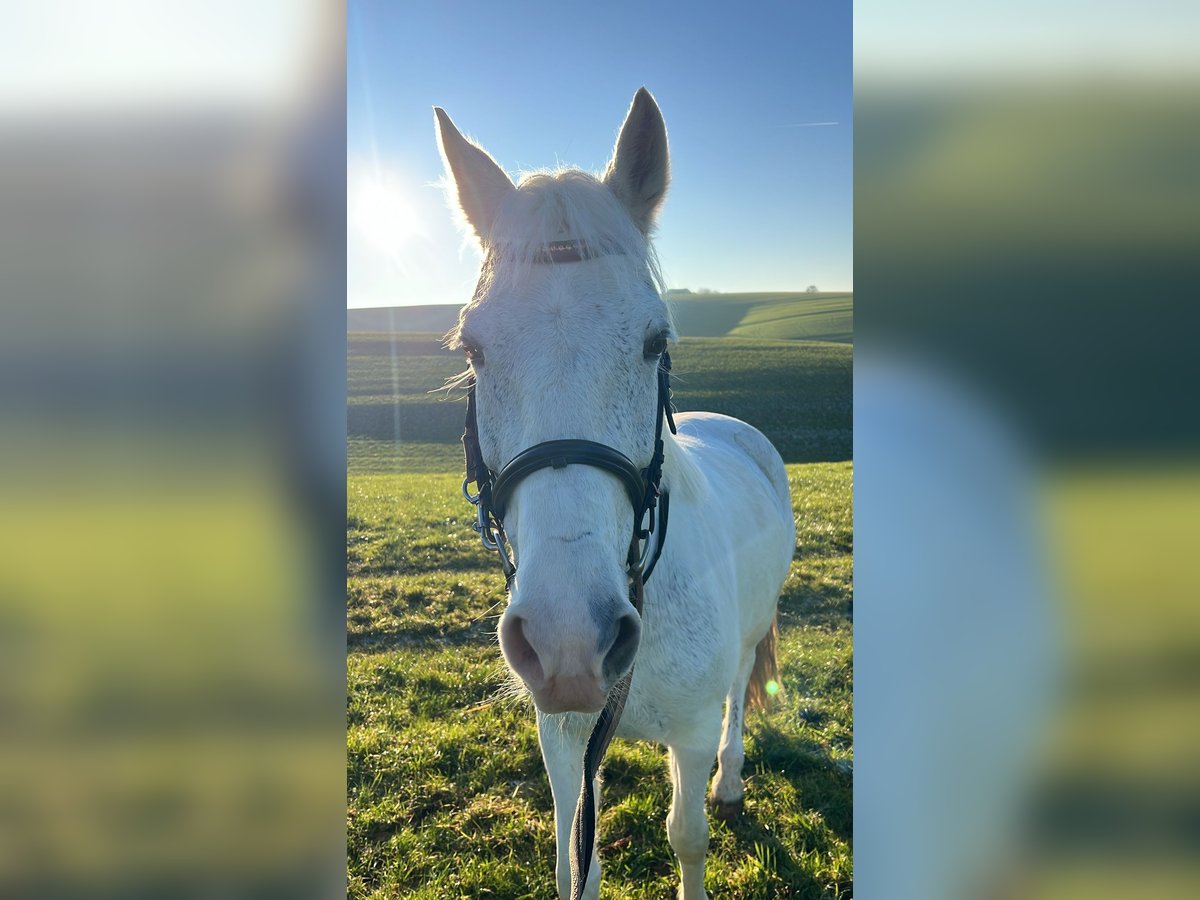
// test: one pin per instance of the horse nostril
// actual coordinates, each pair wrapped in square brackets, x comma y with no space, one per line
[624,647]
[518,651]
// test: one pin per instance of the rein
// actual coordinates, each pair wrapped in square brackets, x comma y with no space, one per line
[644,488]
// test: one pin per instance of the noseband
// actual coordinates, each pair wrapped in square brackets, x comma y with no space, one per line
[644,488]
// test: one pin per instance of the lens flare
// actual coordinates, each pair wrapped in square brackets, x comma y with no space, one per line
[380,213]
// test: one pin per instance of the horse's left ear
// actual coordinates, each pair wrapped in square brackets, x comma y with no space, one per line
[639,170]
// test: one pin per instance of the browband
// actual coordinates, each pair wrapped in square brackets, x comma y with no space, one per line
[567,251]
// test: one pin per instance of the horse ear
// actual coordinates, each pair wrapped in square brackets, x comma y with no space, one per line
[639,170]
[481,184]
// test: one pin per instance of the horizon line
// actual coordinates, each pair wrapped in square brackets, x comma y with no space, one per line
[393,304]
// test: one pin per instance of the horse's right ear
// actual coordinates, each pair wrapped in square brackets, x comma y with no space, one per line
[480,183]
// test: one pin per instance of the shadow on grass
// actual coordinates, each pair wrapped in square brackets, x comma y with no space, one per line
[422,611]
[823,784]
[813,599]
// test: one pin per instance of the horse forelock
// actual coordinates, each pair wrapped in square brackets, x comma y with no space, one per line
[566,204]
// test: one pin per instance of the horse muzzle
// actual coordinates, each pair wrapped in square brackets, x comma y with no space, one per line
[569,672]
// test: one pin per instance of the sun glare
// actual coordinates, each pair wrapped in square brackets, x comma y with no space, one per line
[380,213]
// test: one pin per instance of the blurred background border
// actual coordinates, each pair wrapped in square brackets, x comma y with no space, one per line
[172,267]
[1026,446]
[172,456]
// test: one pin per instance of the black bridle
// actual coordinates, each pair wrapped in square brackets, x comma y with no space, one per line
[644,488]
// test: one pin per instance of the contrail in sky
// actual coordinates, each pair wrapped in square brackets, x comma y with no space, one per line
[811,124]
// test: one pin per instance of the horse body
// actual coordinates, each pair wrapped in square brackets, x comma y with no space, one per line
[571,352]
[713,597]
[710,604]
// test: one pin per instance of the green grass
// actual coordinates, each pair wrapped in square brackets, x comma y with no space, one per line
[446,792]
[800,317]
[796,392]
[373,455]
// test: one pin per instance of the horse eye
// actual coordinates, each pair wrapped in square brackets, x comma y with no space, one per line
[474,355]
[655,346]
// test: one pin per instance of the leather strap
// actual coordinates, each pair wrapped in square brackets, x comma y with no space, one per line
[557,454]
[583,826]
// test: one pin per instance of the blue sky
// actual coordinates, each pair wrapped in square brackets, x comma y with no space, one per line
[761,183]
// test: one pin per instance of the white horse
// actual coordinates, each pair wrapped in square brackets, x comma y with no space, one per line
[570,350]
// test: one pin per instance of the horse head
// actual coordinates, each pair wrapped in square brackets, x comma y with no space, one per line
[564,337]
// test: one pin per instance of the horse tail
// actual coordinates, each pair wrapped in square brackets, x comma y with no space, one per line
[764,685]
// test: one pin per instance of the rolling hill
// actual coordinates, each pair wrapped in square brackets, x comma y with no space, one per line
[773,316]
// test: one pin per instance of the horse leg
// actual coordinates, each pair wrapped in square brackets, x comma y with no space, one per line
[562,753]
[727,787]
[687,822]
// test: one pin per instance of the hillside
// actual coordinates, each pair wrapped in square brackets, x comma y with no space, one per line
[774,316]
[439,318]
[795,392]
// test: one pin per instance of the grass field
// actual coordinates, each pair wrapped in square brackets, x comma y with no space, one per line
[795,392]
[774,316]
[825,316]
[447,794]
